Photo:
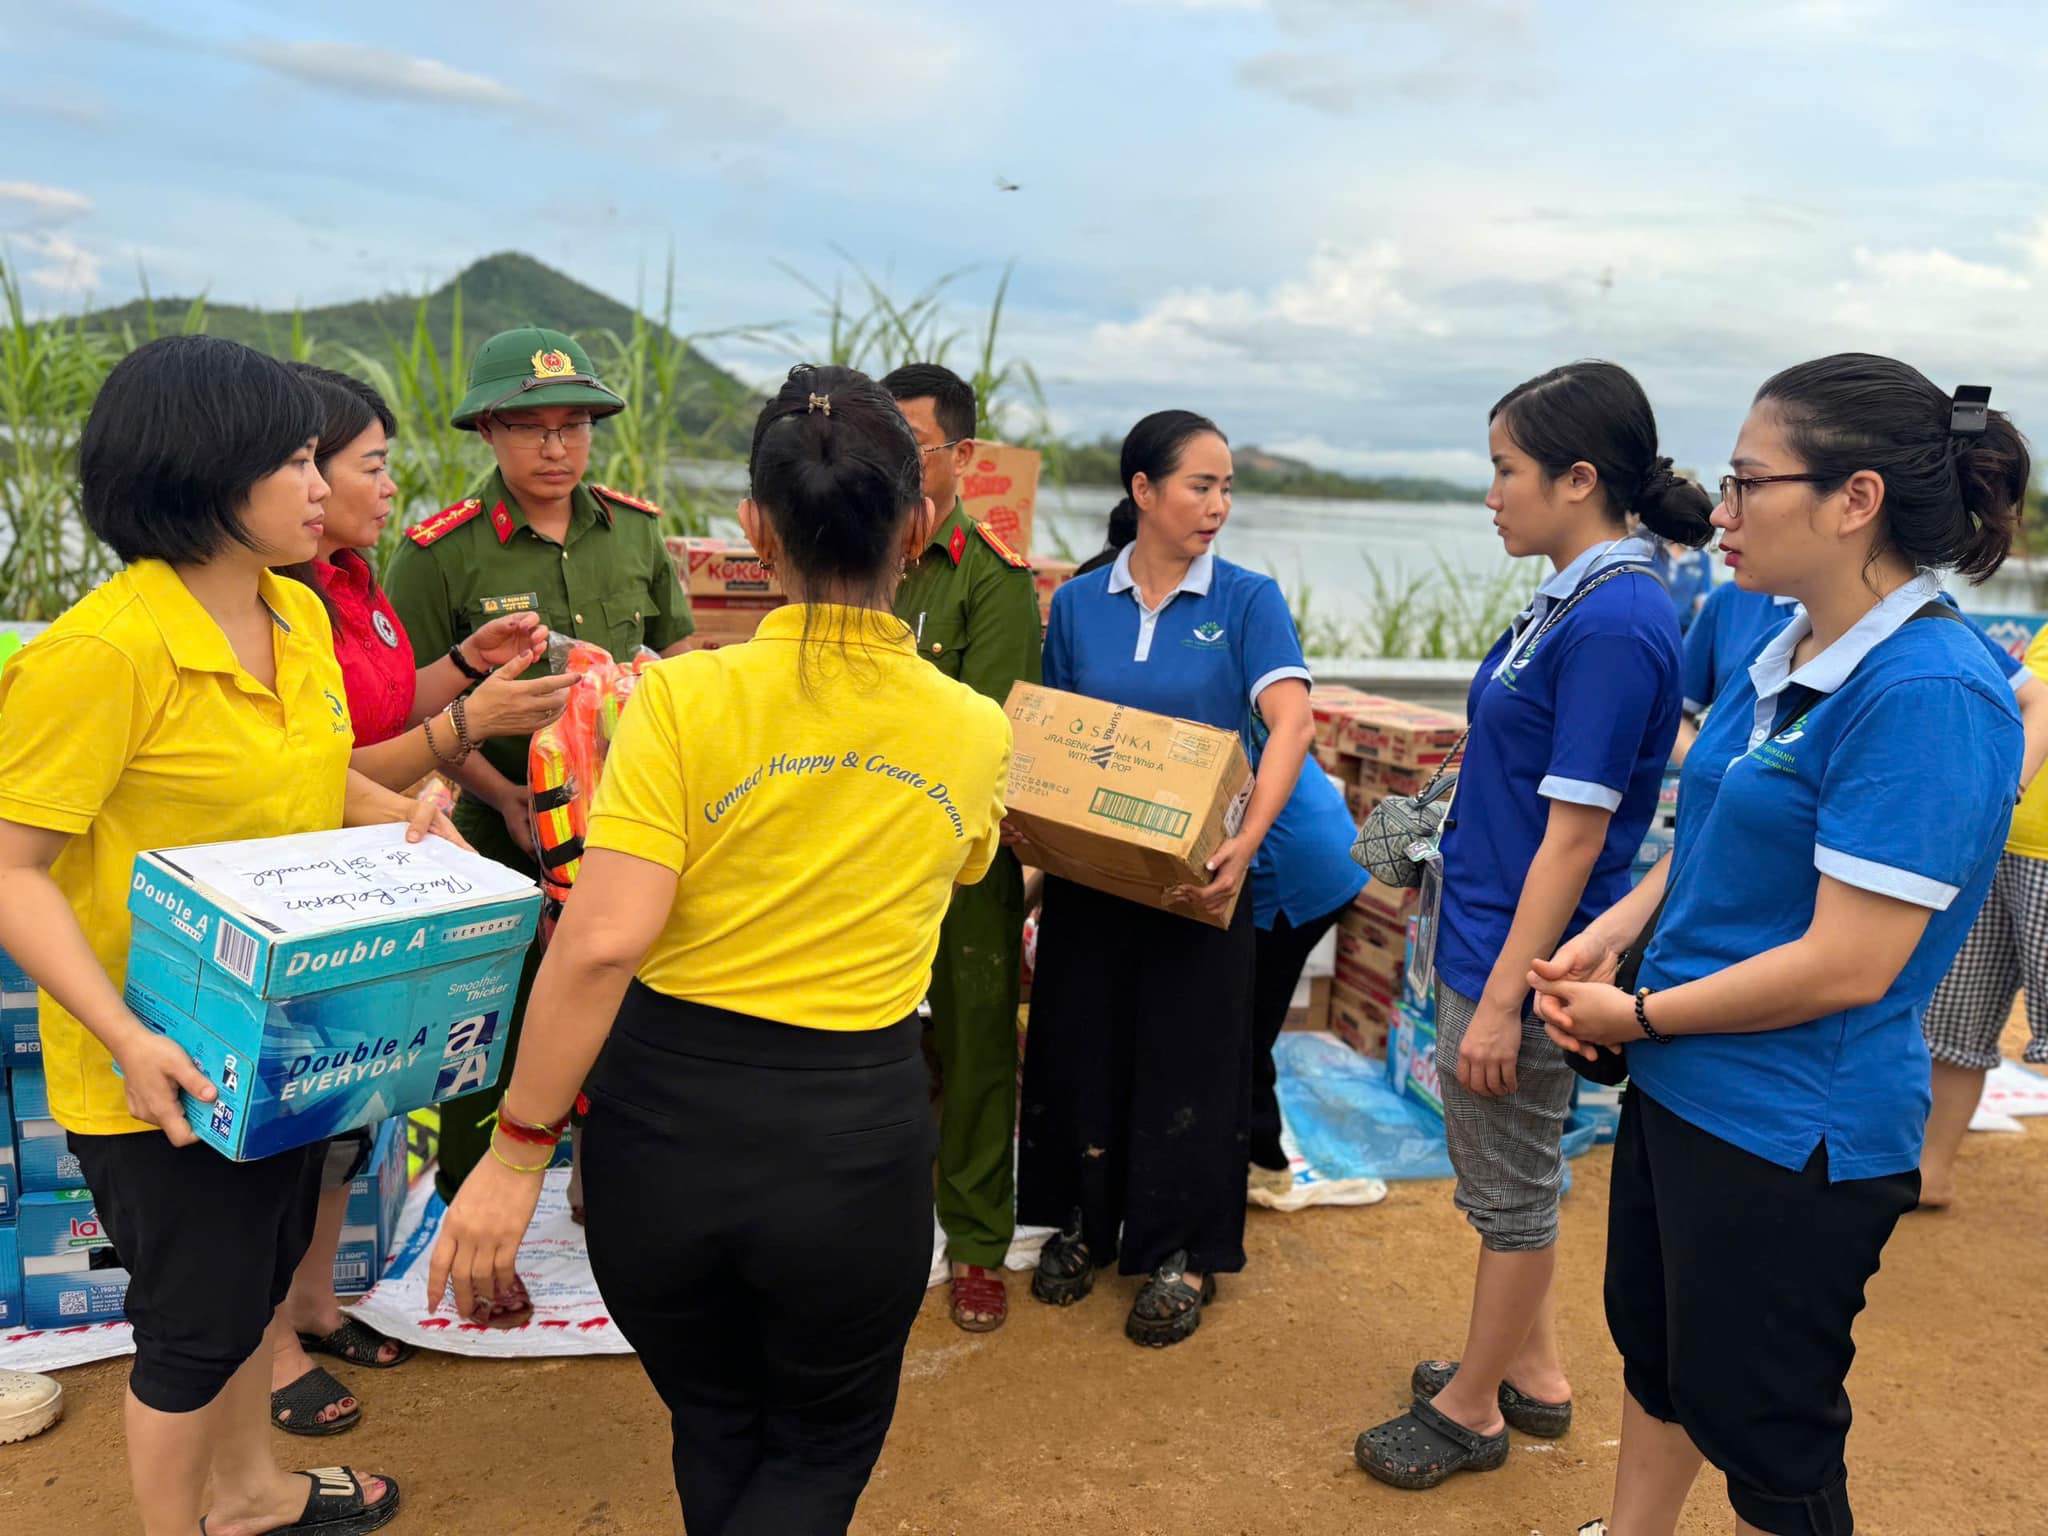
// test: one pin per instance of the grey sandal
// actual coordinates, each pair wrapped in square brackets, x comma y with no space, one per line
[1422,1448]
[1531,1415]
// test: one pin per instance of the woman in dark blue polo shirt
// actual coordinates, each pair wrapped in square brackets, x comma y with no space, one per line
[1572,719]
[1138,1072]
[1839,823]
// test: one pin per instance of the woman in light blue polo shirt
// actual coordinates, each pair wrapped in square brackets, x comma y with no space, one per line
[1572,719]
[1839,823]
[1137,1073]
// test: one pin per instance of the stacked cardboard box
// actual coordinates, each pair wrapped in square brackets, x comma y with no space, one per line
[1049,576]
[43,1158]
[70,1273]
[376,1196]
[1000,488]
[1380,746]
[10,1276]
[730,590]
[20,1045]
[1371,956]
[1663,831]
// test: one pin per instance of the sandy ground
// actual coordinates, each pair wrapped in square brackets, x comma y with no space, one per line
[1056,1423]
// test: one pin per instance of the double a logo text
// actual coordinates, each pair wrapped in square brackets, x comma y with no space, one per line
[466,1063]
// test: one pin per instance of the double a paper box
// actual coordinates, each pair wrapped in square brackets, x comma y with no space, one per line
[43,1160]
[327,980]
[1121,800]
[10,1276]
[376,1196]
[10,1178]
[19,1041]
[70,1273]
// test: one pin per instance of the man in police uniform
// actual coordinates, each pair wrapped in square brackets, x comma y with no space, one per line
[971,603]
[535,538]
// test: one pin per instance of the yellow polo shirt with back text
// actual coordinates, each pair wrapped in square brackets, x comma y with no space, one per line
[2029,834]
[129,725]
[819,799]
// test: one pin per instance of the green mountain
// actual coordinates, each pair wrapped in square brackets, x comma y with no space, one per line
[1273,474]
[498,293]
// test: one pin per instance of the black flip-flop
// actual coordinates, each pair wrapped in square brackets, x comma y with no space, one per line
[1422,1448]
[305,1398]
[336,1507]
[1531,1415]
[358,1343]
[1168,1309]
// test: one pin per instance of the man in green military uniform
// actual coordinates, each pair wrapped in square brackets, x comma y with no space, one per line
[533,537]
[972,605]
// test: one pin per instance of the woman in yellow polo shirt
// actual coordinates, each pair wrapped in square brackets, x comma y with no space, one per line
[192,698]
[771,852]
[2006,952]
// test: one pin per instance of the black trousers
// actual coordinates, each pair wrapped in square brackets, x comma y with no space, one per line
[1732,1286]
[1137,1080]
[209,1246]
[760,1224]
[1279,954]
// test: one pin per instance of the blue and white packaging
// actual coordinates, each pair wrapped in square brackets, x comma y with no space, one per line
[1411,1059]
[1598,1105]
[376,1196]
[10,1176]
[19,1039]
[327,980]
[10,1276]
[70,1274]
[42,1155]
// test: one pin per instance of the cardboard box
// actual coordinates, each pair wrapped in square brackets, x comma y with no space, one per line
[43,1160]
[18,1036]
[1411,1061]
[1049,576]
[1000,488]
[327,980]
[10,1276]
[715,568]
[1120,799]
[1360,1022]
[376,1196]
[1401,735]
[1331,704]
[10,1176]
[70,1273]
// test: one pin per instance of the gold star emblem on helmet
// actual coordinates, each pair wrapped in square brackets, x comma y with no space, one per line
[551,363]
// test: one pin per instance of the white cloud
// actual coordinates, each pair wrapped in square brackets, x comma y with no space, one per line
[65,266]
[362,70]
[44,204]
[1938,269]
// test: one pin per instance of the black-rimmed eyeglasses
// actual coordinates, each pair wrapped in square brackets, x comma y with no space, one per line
[1732,486]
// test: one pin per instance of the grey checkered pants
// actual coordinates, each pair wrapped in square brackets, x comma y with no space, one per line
[1509,1151]
[2007,950]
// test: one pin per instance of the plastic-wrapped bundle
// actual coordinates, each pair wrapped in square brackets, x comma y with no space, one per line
[565,760]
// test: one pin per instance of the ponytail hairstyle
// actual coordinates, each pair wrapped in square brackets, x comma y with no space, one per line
[349,408]
[1952,498]
[1596,413]
[836,472]
[1153,448]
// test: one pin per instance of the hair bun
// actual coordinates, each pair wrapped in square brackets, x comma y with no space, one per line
[1673,507]
[1656,481]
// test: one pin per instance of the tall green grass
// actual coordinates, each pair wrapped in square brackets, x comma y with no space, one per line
[1440,615]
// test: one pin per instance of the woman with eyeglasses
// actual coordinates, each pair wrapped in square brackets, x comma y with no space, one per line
[1839,824]
[1572,719]
[535,537]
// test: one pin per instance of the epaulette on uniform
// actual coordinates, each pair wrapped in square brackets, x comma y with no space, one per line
[444,522]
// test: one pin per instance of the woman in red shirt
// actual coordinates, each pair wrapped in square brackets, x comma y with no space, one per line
[409,721]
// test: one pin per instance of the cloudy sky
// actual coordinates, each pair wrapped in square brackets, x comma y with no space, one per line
[1343,227]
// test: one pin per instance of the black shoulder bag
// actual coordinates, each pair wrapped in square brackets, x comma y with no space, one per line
[1611,1067]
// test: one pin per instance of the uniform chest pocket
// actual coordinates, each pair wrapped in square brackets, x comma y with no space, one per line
[624,623]
[943,642]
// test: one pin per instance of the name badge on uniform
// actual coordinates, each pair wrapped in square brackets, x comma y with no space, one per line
[386,630]
[511,602]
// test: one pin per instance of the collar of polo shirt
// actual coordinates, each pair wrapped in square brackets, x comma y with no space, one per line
[1772,670]
[1201,573]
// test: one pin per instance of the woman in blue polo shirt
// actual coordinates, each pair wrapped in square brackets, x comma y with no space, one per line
[1839,824]
[1138,1071]
[1572,719]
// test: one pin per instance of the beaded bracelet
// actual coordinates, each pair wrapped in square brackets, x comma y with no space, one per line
[458,714]
[445,759]
[462,664]
[1643,1017]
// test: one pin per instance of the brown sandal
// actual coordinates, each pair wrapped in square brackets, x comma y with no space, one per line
[981,1302]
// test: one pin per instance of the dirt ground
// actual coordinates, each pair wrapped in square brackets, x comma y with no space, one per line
[1057,1423]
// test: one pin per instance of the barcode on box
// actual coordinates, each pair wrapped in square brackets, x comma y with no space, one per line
[351,1271]
[1145,815]
[235,952]
[71,1304]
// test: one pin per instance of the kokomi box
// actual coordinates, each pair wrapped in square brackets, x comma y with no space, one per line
[1000,488]
[1122,800]
[722,568]
[327,980]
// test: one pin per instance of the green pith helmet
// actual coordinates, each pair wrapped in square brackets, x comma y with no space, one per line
[528,368]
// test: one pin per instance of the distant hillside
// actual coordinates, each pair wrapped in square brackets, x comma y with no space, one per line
[1273,474]
[498,293]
